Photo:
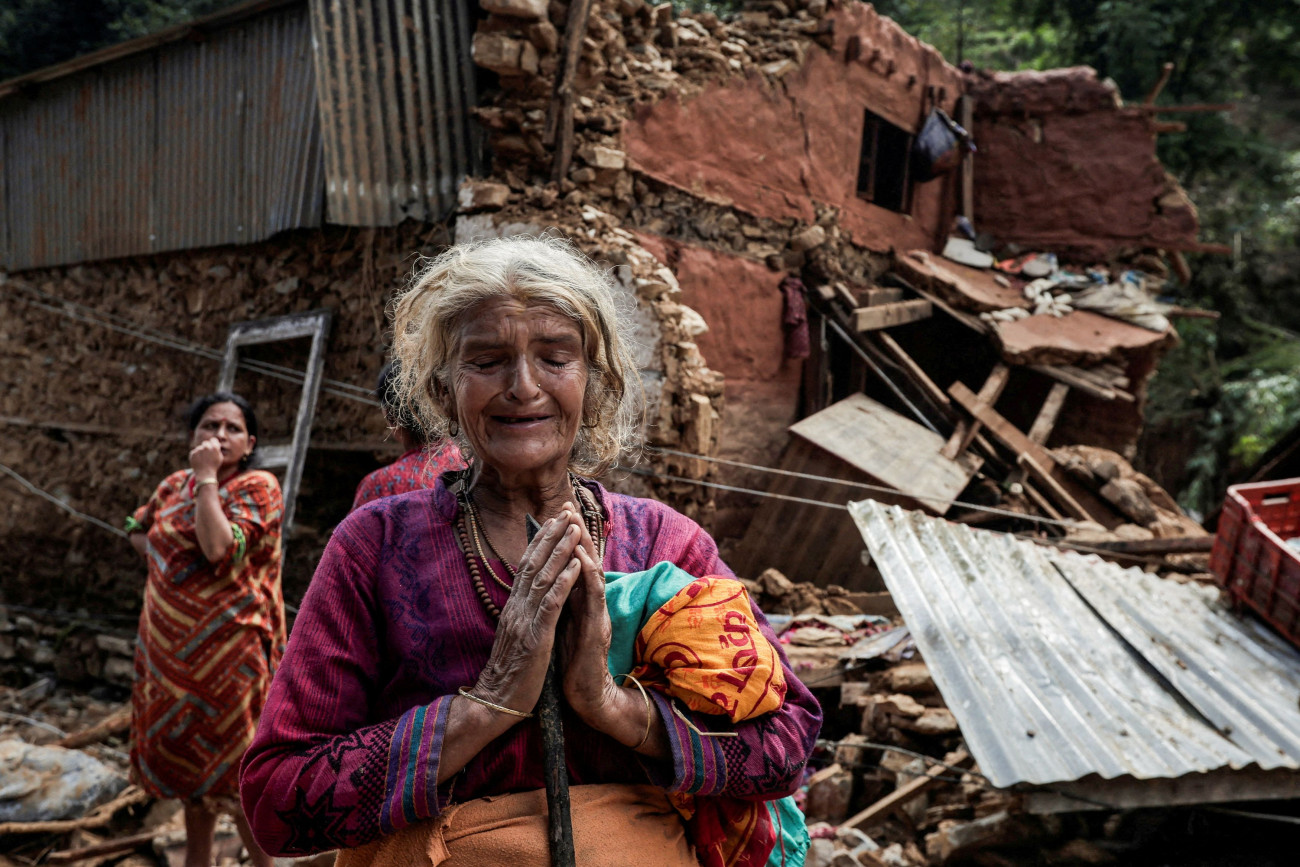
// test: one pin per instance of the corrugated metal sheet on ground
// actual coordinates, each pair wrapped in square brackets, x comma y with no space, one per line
[1060,666]
[396,89]
[192,144]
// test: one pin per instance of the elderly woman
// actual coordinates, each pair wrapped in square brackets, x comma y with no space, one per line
[212,626]
[401,720]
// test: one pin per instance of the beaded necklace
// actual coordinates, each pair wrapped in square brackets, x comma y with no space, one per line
[472,535]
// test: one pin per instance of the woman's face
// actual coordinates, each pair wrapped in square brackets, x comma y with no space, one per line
[225,422]
[518,381]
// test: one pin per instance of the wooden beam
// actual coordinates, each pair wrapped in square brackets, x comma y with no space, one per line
[108,847]
[558,131]
[114,724]
[1165,71]
[1041,429]
[1042,502]
[974,323]
[889,315]
[989,394]
[1167,126]
[906,792]
[966,117]
[1072,377]
[877,296]
[1045,479]
[1174,545]
[918,375]
[1186,109]
[845,297]
[1011,437]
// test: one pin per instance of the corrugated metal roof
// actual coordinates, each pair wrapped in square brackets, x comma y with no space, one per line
[396,88]
[1061,667]
[187,145]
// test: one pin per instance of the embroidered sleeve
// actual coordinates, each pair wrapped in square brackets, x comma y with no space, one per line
[319,775]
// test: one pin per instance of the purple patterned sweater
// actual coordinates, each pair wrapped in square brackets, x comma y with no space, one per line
[349,741]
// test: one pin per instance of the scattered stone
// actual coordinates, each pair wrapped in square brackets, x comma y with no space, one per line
[475,196]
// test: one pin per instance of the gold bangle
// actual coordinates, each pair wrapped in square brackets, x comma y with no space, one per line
[649,713]
[464,691]
[201,482]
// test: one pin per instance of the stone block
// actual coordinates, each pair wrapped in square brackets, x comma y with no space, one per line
[830,791]
[475,196]
[497,52]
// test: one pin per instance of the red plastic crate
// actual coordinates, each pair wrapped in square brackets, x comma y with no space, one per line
[1251,558]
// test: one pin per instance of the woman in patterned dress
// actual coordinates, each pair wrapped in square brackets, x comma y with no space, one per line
[212,627]
[400,726]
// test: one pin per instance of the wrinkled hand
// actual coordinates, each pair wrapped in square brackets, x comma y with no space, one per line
[205,458]
[588,686]
[516,669]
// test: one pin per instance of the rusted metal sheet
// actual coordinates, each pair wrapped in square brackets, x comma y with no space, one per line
[396,85]
[190,144]
[1087,684]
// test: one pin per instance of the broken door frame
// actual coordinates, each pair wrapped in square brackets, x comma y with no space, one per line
[316,325]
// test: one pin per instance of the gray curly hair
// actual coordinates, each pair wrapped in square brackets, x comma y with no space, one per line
[427,316]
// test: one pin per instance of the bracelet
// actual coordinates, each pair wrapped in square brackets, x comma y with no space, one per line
[464,691]
[649,713]
[201,482]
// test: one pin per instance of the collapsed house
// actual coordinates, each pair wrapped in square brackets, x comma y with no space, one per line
[750,184]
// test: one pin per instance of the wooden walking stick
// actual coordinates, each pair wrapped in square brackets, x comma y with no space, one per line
[560,832]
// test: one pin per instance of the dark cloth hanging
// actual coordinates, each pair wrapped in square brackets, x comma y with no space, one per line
[795,319]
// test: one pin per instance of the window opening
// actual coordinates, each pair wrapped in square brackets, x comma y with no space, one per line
[883,164]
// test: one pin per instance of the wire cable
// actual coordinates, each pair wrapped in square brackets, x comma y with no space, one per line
[62,505]
[860,485]
[122,325]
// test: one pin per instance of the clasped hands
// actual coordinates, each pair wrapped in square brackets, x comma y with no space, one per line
[559,573]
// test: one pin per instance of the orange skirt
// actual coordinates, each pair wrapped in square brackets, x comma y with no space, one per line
[613,825]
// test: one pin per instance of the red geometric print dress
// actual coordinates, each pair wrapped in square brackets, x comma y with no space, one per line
[211,635]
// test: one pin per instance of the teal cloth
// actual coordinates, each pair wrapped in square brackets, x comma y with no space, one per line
[632,597]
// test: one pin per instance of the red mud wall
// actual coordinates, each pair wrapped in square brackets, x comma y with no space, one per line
[779,147]
[741,301]
[1061,166]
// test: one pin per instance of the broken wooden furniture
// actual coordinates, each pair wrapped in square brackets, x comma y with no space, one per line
[314,325]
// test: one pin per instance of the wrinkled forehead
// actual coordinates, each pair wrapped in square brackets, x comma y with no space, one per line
[503,319]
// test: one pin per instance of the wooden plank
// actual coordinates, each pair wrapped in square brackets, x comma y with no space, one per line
[989,393]
[108,847]
[115,723]
[1196,107]
[1071,377]
[847,298]
[1056,489]
[904,793]
[974,323]
[876,297]
[1041,501]
[1007,433]
[1174,545]
[889,315]
[1004,431]
[966,117]
[895,451]
[919,376]
[1041,429]
[1166,70]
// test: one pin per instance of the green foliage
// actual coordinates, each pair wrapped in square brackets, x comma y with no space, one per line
[39,33]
